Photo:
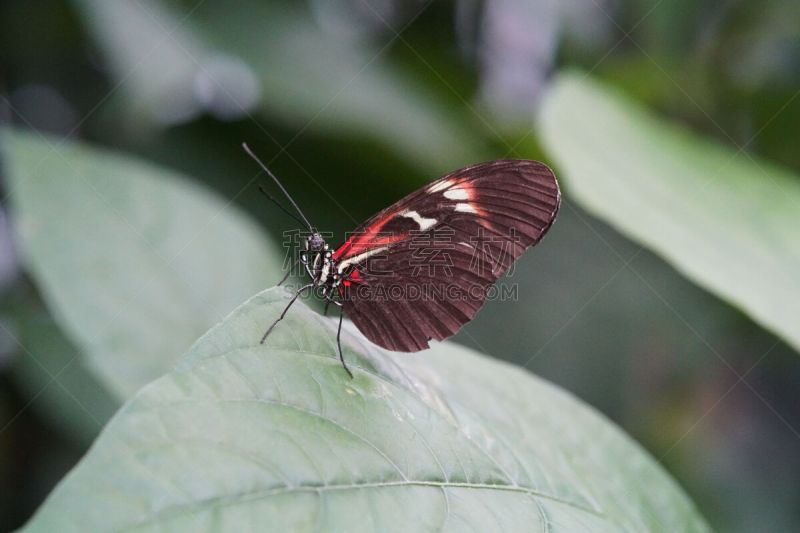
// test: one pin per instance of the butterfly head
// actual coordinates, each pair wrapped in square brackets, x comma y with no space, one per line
[315,242]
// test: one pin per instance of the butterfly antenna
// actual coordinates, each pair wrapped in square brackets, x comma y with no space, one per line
[271,175]
[276,202]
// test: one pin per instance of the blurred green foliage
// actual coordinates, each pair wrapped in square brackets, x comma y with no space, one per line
[698,204]
[352,116]
[161,260]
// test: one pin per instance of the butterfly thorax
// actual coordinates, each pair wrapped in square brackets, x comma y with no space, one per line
[317,258]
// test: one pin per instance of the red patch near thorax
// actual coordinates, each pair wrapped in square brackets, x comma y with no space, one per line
[355,277]
[368,239]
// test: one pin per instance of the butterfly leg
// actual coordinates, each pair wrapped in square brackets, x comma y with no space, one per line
[339,338]
[285,277]
[304,261]
[296,295]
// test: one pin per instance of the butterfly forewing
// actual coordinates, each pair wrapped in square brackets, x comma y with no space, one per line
[421,268]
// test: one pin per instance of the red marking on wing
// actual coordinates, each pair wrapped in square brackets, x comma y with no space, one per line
[355,277]
[368,239]
[469,188]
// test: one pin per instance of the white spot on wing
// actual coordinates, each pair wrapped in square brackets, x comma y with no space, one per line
[465,208]
[424,223]
[436,187]
[456,193]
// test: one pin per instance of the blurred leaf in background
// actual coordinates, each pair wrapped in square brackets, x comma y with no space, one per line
[9,262]
[52,372]
[725,219]
[146,51]
[134,261]
[270,58]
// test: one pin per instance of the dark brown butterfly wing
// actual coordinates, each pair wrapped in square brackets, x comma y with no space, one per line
[420,269]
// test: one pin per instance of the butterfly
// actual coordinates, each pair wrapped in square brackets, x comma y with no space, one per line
[421,268]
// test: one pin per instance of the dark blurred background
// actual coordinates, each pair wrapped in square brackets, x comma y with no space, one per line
[357,102]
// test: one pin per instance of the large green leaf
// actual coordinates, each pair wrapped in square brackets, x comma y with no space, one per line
[135,261]
[277,438]
[726,220]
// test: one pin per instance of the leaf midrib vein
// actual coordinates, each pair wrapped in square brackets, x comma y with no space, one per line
[223,501]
